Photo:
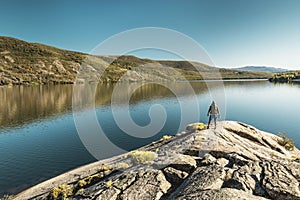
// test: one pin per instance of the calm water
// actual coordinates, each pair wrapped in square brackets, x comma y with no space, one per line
[38,138]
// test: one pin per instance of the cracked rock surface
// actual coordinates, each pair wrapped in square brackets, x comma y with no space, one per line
[233,161]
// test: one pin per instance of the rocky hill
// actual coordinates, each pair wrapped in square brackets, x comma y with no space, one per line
[233,161]
[31,63]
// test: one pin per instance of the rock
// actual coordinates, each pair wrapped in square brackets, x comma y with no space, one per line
[245,178]
[184,163]
[124,181]
[204,178]
[224,193]
[148,185]
[174,176]
[109,194]
[233,161]
[208,159]
[59,66]
[279,182]
[222,162]
[131,76]
[9,59]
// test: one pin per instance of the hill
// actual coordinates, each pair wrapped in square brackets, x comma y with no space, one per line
[261,69]
[233,161]
[32,63]
[287,77]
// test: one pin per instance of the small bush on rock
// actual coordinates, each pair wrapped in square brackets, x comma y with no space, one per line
[142,157]
[286,142]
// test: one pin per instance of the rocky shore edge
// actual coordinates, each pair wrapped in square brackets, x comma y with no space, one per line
[233,161]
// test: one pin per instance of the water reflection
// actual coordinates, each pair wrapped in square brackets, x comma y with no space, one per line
[21,104]
[52,146]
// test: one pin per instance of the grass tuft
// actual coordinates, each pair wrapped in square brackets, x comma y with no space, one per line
[80,191]
[142,157]
[82,183]
[61,192]
[7,197]
[104,168]
[286,142]
[196,127]
[108,184]
[122,165]
[166,137]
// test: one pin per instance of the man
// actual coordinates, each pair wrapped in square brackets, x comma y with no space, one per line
[213,113]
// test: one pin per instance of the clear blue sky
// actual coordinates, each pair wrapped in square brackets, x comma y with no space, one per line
[234,32]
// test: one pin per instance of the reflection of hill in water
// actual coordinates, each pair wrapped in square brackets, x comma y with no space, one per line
[20,105]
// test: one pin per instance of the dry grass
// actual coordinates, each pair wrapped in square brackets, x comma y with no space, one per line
[286,142]
[104,168]
[108,184]
[89,180]
[61,192]
[80,191]
[166,137]
[196,127]
[7,197]
[142,157]
[121,166]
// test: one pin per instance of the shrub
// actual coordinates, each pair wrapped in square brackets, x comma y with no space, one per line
[285,77]
[80,191]
[7,197]
[142,157]
[122,166]
[61,192]
[166,137]
[104,168]
[293,158]
[108,184]
[286,142]
[82,183]
[196,127]
[89,180]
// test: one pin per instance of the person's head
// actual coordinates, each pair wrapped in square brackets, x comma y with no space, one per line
[213,102]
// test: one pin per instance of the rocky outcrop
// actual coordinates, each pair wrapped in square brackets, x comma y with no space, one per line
[233,161]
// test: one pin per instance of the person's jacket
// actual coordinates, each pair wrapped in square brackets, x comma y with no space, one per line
[213,110]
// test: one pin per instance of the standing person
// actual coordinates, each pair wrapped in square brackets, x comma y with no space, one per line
[213,113]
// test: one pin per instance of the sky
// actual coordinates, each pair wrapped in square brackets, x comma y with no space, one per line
[234,32]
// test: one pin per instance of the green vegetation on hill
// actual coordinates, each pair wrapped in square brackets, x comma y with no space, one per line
[285,77]
[31,63]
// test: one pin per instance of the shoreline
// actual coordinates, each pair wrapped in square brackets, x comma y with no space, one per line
[113,82]
[73,174]
[84,170]
[250,144]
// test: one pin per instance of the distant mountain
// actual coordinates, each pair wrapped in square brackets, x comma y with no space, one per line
[24,63]
[261,69]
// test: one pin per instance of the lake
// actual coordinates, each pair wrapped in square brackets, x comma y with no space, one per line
[38,137]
